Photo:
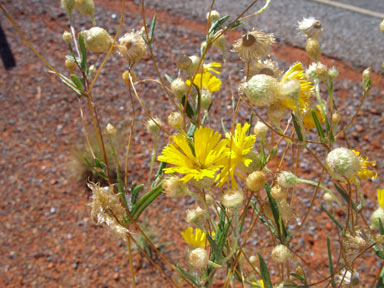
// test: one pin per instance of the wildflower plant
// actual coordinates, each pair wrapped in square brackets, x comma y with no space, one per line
[237,176]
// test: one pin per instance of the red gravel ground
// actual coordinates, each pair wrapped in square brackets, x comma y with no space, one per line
[47,238]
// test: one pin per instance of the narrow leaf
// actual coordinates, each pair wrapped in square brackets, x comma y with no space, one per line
[380,281]
[144,201]
[297,128]
[79,84]
[345,196]
[250,124]
[235,24]
[190,277]
[169,78]
[264,272]
[223,126]
[135,193]
[152,29]
[83,64]
[215,26]
[332,218]
[276,214]
[330,262]
[317,124]
[381,229]
[189,110]
[217,252]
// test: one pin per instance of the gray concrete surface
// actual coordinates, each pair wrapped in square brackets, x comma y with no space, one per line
[349,36]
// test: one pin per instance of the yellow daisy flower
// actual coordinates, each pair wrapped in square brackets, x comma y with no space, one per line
[239,146]
[296,72]
[196,160]
[206,81]
[364,172]
[380,197]
[196,239]
[259,284]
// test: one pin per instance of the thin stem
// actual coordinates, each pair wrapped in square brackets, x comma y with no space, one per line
[131,263]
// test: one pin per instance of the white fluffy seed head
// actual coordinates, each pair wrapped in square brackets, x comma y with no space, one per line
[97,40]
[132,47]
[174,187]
[279,193]
[281,254]
[342,163]
[232,199]
[260,129]
[376,217]
[175,120]
[311,27]
[261,90]
[198,258]
[286,179]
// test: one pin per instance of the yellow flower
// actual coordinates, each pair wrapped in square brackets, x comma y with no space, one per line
[364,172]
[380,197]
[196,239]
[296,72]
[308,121]
[208,67]
[259,284]
[239,146]
[206,81]
[196,160]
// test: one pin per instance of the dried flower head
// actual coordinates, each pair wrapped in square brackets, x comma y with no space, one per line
[232,199]
[175,120]
[97,40]
[198,258]
[107,210]
[342,163]
[153,125]
[174,187]
[86,7]
[286,179]
[348,278]
[266,67]
[261,90]
[279,193]
[67,37]
[256,181]
[110,129]
[353,245]
[195,216]
[253,45]
[281,254]
[311,27]
[132,47]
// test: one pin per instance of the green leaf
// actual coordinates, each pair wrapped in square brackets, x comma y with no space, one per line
[297,128]
[217,252]
[276,215]
[188,276]
[100,164]
[298,277]
[189,110]
[264,272]
[318,125]
[215,26]
[135,194]
[69,83]
[144,201]
[73,59]
[83,64]
[345,196]
[332,218]
[159,173]
[169,78]
[235,24]
[79,84]
[262,151]
[380,281]
[223,126]
[152,29]
[330,262]
[265,221]
[378,252]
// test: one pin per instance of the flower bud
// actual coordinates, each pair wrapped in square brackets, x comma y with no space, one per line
[174,187]
[260,129]
[255,165]
[153,126]
[67,37]
[261,90]
[92,70]
[328,198]
[86,7]
[253,260]
[175,120]
[336,118]
[68,5]
[382,26]
[110,129]
[194,216]
[125,77]
[213,16]
[313,49]
[97,40]
[281,254]
[206,99]
[195,61]
[279,193]
[367,78]
[198,258]
[256,181]
[276,112]
[70,65]
[232,199]
[376,217]
[342,163]
[219,43]
[183,62]
[287,179]
[179,88]
[333,72]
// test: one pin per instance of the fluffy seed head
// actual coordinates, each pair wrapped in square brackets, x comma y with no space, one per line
[342,163]
[67,37]
[276,112]
[376,217]
[232,199]
[132,47]
[261,90]
[256,181]
[286,179]
[86,7]
[333,72]
[97,40]
[311,27]
[173,187]
[281,254]
[198,258]
[253,45]
[279,193]
[175,120]
[110,129]
[179,88]
[194,216]
[313,49]
[153,126]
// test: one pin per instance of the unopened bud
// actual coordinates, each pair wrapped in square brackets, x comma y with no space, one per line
[220,41]
[70,65]
[253,260]
[313,49]
[175,120]
[183,62]
[281,254]
[287,179]
[336,118]
[260,129]
[97,40]
[328,198]
[153,126]
[92,70]
[179,88]
[195,62]
[198,258]
[342,163]
[261,90]
[256,181]
[126,78]
[206,99]
[333,72]
[68,5]
[194,216]
[110,129]
[279,193]
[213,16]
[367,78]
[255,165]
[67,37]
[232,199]
[86,7]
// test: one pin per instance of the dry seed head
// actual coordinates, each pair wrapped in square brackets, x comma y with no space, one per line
[110,129]
[313,49]
[261,90]
[342,163]
[287,179]
[126,79]
[382,26]
[86,7]
[67,37]
[255,165]
[153,126]
[70,65]
[175,120]
[198,258]
[285,210]
[256,181]
[260,129]
[194,216]
[183,62]
[179,88]
[213,16]
[279,193]
[328,198]
[253,45]
[376,217]
[132,47]
[290,89]
[266,67]
[173,187]
[97,40]
[333,72]
[311,27]
[281,254]
[352,245]
[276,112]
[232,199]
[68,5]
